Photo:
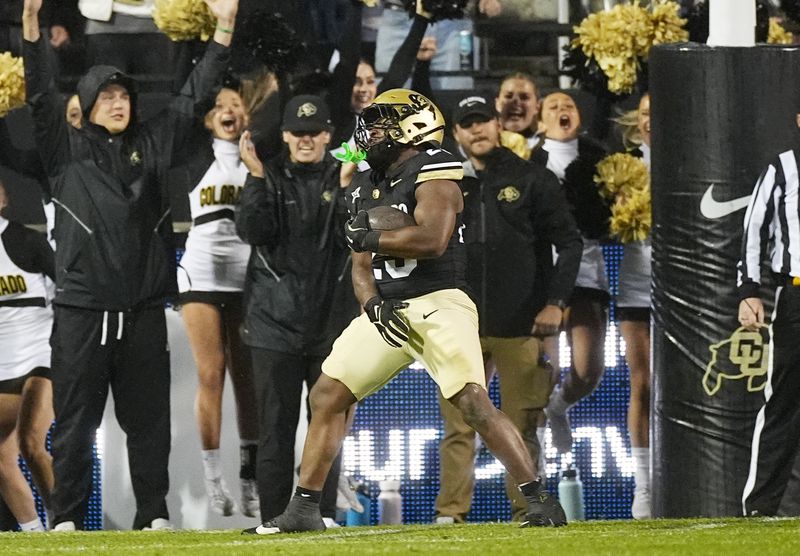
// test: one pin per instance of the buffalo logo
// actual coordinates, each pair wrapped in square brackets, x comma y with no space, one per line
[327,196]
[306,110]
[508,194]
[376,193]
[747,357]
[136,158]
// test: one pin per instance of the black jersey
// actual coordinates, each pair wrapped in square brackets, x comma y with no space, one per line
[398,278]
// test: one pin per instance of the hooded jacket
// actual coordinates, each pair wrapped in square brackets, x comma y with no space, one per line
[113,226]
[298,292]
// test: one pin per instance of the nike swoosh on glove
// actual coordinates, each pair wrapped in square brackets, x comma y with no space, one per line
[385,315]
[359,235]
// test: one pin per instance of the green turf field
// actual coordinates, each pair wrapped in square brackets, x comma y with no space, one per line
[753,537]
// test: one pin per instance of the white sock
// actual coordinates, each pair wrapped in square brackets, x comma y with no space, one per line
[641,461]
[540,433]
[212,466]
[557,403]
[34,526]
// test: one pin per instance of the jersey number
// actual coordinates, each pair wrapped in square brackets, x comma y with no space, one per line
[400,268]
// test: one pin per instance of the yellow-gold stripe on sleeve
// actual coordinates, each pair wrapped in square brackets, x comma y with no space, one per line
[453,174]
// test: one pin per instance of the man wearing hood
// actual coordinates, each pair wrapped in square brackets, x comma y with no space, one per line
[114,265]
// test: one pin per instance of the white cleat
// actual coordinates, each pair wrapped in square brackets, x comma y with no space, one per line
[560,428]
[346,498]
[219,499]
[65,526]
[159,524]
[640,509]
[330,523]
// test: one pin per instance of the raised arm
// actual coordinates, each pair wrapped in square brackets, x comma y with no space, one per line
[403,60]
[30,20]
[52,135]
[225,12]
[173,127]
[344,75]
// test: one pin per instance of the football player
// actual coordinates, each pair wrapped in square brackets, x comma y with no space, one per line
[410,282]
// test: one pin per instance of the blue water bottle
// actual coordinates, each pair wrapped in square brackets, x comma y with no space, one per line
[570,494]
[354,518]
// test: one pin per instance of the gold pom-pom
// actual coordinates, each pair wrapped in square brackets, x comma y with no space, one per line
[12,83]
[621,171]
[667,24]
[626,180]
[620,39]
[777,34]
[516,143]
[631,216]
[183,20]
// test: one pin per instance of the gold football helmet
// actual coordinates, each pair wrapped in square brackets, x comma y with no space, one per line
[408,118]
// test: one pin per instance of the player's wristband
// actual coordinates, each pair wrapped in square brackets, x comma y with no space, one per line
[371,302]
[224,30]
[371,241]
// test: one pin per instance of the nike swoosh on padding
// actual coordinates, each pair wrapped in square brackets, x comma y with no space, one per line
[713,209]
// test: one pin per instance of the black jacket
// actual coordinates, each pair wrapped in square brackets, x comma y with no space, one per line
[514,211]
[298,291]
[113,226]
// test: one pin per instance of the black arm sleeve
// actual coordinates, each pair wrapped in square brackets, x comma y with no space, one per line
[176,124]
[257,214]
[344,75]
[403,61]
[50,126]
[23,161]
[29,250]
[553,221]
[421,80]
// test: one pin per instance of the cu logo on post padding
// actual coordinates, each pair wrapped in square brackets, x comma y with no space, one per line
[747,357]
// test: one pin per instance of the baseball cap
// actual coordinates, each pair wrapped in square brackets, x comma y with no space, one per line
[471,106]
[306,113]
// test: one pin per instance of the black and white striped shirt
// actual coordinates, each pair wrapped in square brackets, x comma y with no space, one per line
[772,222]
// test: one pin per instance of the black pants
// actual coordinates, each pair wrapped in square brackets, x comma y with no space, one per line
[93,350]
[279,381]
[773,485]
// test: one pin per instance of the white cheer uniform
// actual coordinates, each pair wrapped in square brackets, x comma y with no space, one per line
[215,259]
[634,270]
[26,317]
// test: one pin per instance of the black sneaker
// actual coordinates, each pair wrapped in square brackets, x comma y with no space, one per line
[544,511]
[300,515]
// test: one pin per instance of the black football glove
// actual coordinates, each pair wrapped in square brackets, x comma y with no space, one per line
[359,235]
[385,315]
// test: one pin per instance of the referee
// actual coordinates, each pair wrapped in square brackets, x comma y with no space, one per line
[772,225]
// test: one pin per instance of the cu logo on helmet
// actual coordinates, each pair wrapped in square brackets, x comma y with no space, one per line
[306,110]
[417,102]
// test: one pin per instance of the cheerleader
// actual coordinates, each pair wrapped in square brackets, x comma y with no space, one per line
[573,158]
[633,313]
[210,280]
[26,400]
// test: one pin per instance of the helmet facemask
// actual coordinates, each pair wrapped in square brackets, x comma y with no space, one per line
[382,152]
